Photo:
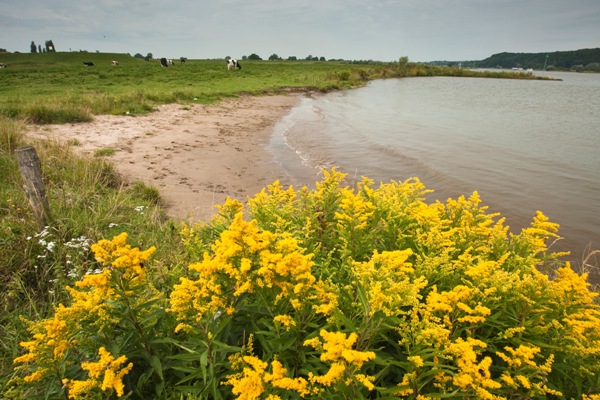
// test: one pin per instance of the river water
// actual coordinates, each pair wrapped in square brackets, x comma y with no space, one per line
[523,145]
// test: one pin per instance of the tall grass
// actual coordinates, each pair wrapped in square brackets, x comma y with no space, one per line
[89,201]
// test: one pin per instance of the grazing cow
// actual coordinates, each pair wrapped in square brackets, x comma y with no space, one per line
[2,65]
[169,62]
[115,63]
[163,62]
[233,63]
[88,63]
[183,60]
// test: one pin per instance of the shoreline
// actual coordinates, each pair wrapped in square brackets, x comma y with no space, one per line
[194,155]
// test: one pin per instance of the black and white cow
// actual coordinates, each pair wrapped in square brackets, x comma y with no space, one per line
[2,65]
[88,63]
[233,63]
[115,63]
[163,62]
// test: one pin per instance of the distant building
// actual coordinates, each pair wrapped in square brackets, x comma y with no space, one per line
[50,47]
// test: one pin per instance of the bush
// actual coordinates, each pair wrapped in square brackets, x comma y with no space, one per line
[327,293]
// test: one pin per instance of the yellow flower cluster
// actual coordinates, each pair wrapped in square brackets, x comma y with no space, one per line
[354,211]
[91,308]
[541,229]
[472,374]
[453,304]
[523,374]
[116,253]
[106,374]
[389,282]
[51,340]
[254,379]
[336,348]
[246,260]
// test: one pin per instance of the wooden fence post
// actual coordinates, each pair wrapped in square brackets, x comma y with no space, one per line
[29,164]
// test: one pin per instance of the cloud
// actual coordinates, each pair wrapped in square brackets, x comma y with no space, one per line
[383,30]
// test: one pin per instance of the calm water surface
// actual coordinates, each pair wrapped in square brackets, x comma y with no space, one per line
[523,145]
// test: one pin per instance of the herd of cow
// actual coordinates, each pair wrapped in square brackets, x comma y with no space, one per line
[164,62]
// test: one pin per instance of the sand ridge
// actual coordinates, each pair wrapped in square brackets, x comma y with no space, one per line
[195,155]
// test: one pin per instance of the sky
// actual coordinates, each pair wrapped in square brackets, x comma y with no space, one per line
[381,30]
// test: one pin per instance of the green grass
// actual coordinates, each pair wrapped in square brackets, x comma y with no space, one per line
[105,152]
[57,87]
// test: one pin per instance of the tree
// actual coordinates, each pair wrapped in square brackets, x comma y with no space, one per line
[39,48]
[138,55]
[148,57]
[274,57]
[292,58]
[254,56]
[577,68]
[322,58]
[33,47]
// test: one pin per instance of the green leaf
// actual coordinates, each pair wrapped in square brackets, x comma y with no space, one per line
[157,366]
[204,359]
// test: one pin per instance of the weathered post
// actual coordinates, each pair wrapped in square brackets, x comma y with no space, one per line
[29,164]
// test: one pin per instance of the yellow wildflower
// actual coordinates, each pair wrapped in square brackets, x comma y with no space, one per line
[109,370]
[36,375]
[417,361]
[278,380]
[366,380]
[285,320]
[333,375]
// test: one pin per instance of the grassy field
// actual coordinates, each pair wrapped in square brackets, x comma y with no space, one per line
[87,198]
[57,87]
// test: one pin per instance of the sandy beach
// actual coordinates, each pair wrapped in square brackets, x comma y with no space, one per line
[195,155]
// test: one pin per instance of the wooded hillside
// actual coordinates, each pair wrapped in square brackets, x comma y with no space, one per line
[584,59]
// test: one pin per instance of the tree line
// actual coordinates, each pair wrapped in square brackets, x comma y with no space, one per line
[48,47]
[578,60]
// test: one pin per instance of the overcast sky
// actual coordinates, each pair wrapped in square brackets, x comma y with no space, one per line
[384,30]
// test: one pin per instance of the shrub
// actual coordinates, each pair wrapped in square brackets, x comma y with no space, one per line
[327,293]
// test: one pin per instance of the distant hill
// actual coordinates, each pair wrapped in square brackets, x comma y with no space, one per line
[584,59]
[557,59]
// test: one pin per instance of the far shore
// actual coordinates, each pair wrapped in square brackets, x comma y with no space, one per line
[196,156]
